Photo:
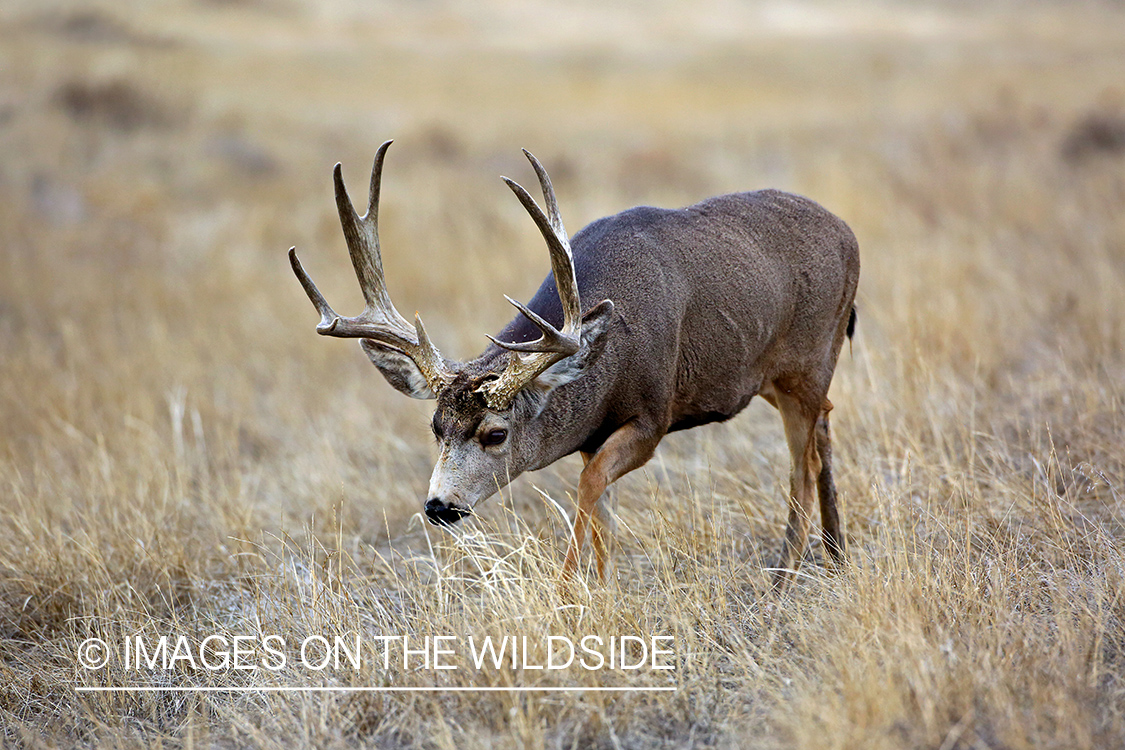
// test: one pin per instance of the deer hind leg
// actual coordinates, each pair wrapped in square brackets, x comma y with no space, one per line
[834,543]
[800,425]
[630,447]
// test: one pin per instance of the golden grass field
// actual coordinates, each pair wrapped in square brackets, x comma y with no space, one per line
[181,454]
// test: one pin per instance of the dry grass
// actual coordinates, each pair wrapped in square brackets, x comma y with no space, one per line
[182,455]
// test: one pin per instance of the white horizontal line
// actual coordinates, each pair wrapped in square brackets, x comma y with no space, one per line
[404,689]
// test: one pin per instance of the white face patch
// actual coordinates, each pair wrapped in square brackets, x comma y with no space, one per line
[440,486]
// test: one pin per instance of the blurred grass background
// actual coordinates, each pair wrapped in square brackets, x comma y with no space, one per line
[180,452]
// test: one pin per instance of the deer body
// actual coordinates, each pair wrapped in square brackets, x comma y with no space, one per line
[708,308]
[702,308]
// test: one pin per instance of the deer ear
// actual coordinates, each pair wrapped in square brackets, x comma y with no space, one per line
[399,369]
[595,326]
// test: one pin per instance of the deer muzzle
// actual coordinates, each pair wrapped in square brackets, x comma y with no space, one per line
[440,513]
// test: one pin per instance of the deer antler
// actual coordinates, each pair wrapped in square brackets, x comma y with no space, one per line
[379,321]
[531,358]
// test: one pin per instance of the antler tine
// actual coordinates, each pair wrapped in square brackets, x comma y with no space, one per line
[379,321]
[376,183]
[552,340]
[548,195]
[533,357]
[328,316]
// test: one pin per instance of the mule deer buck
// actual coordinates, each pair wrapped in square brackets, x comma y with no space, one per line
[698,310]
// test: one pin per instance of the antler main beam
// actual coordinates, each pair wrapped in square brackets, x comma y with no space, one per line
[379,321]
[530,359]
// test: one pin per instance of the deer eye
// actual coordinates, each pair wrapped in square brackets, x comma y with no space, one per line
[493,437]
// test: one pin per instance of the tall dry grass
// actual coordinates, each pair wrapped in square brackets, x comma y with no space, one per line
[182,455]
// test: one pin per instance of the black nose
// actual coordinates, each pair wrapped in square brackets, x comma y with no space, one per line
[440,514]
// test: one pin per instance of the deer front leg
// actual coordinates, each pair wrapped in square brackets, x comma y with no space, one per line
[626,449]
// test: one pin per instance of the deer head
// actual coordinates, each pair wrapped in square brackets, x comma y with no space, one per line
[491,419]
